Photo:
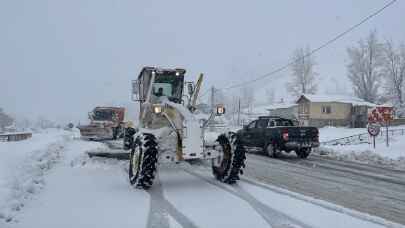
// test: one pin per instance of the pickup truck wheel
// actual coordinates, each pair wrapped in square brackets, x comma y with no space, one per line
[303,153]
[271,151]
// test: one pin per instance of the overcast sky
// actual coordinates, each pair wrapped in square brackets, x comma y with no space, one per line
[60,58]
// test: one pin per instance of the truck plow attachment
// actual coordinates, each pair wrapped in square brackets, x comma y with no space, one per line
[115,151]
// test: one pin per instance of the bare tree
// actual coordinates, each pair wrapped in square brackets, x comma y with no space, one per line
[247,98]
[394,69]
[366,67]
[304,75]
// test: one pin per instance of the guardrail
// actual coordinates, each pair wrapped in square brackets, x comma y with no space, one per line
[361,138]
[9,137]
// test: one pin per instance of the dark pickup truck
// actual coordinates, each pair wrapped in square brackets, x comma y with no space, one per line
[274,134]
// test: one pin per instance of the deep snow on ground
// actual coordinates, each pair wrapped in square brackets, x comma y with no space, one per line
[330,133]
[77,191]
[394,155]
[22,165]
[87,195]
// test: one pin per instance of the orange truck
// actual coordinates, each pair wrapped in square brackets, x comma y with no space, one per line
[106,123]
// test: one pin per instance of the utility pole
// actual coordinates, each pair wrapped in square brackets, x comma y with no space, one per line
[212,98]
[239,111]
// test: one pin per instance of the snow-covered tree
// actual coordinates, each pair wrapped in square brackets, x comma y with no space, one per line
[5,120]
[365,68]
[303,72]
[394,71]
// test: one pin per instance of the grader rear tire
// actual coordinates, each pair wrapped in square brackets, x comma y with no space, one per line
[228,167]
[143,161]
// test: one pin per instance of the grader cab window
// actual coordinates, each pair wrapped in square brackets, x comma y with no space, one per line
[168,85]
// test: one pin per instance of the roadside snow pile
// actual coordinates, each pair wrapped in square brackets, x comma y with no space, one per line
[331,133]
[23,165]
[392,156]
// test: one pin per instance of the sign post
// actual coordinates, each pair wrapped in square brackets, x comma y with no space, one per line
[373,129]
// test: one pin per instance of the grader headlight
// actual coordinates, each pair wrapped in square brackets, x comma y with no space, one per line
[157,109]
[220,110]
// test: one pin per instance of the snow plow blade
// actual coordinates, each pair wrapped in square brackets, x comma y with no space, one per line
[95,132]
[119,156]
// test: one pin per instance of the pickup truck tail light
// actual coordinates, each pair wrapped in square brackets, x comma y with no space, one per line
[285,135]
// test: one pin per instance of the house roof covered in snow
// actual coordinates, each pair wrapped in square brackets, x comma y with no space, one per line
[336,98]
[281,106]
[262,110]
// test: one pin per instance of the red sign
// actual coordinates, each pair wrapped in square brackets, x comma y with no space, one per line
[380,115]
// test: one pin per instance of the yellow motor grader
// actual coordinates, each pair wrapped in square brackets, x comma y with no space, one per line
[169,131]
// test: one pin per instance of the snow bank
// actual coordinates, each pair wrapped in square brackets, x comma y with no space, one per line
[392,156]
[23,165]
[84,193]
[69,188]
[332,133]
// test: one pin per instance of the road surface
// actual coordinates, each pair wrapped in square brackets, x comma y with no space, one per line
[371,189]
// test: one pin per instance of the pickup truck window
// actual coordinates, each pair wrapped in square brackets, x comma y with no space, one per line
[262,123]
[280,123]
[252,125]
[284,123]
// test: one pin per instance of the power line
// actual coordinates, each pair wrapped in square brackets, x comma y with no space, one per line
[327,43]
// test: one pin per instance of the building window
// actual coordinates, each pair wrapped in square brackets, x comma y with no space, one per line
[326,109]
[304,108]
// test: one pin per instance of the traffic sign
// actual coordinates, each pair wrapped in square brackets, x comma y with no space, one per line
[380,115]
[374,129]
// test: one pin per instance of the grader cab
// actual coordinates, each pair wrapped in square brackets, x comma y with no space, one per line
[169,132]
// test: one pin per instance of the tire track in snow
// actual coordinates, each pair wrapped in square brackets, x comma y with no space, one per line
[356,192]
[273,217]
[160,208]
[379,175]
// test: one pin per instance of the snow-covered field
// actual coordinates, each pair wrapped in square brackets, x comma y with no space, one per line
[24,164]
[394,155]
[50,182]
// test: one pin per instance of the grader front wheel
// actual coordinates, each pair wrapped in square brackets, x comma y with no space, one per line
[143,161]
[230,164]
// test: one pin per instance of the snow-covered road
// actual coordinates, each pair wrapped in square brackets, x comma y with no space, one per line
[371,189]
[83,192]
